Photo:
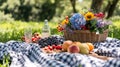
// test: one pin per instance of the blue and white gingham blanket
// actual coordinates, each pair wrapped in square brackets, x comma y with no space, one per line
[31,55]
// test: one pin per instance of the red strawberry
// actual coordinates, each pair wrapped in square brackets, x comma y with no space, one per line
[53,46]
[58,47]
[34,39]
[49,47]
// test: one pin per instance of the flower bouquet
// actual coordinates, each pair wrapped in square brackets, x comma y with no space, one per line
[87,27]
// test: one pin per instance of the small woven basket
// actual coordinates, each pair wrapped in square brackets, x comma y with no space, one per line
[85,36]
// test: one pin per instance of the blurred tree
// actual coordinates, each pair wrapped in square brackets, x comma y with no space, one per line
[38,10]
[2,1]
[117,10]
[20,9]
[110,8]
[24,11]
[73,3]
[48,10]
[96,5]
[30,10]
[5,17]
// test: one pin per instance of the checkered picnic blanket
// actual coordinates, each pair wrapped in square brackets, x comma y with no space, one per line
[31,55]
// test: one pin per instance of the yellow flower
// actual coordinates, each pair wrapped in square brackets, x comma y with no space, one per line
[64,22]
[89,16]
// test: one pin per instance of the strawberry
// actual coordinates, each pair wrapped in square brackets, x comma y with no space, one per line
[58,47]
[53,46]
[34,39]
[49,47]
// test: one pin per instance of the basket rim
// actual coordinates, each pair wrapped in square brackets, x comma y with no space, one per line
[85,31]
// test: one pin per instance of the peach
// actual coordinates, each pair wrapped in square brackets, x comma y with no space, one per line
[73,49]
[76,43]
[66,44]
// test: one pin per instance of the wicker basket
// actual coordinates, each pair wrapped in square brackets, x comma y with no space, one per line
[85,36]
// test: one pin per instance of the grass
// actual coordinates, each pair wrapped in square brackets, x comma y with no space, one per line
[14,30]
[115,30]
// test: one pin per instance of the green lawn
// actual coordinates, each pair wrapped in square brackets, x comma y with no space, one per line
[14,30]
[115,29]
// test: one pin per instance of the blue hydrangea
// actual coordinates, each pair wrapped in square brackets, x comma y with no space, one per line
[77,20]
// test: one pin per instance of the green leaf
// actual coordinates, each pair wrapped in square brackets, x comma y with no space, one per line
[100,30]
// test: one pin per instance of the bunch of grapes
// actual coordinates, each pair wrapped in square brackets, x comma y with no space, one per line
[52,40]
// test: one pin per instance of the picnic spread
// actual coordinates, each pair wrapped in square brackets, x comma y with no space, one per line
[85,43]
[31,55]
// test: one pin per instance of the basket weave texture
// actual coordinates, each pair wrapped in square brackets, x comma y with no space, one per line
[85,36]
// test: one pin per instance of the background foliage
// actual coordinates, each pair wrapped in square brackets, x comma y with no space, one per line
[38,10]
[16,15]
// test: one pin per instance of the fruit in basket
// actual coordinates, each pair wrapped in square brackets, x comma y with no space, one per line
[66,44]
[84,49]
[91,46]
[73,49]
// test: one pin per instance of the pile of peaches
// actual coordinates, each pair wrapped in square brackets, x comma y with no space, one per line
[71,47]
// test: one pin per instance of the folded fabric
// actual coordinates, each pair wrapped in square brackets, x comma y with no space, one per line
[30,55]
[110,48]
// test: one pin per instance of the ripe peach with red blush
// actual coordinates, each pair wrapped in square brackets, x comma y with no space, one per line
[73,49]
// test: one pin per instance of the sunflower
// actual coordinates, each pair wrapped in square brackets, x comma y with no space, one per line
[89,16]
